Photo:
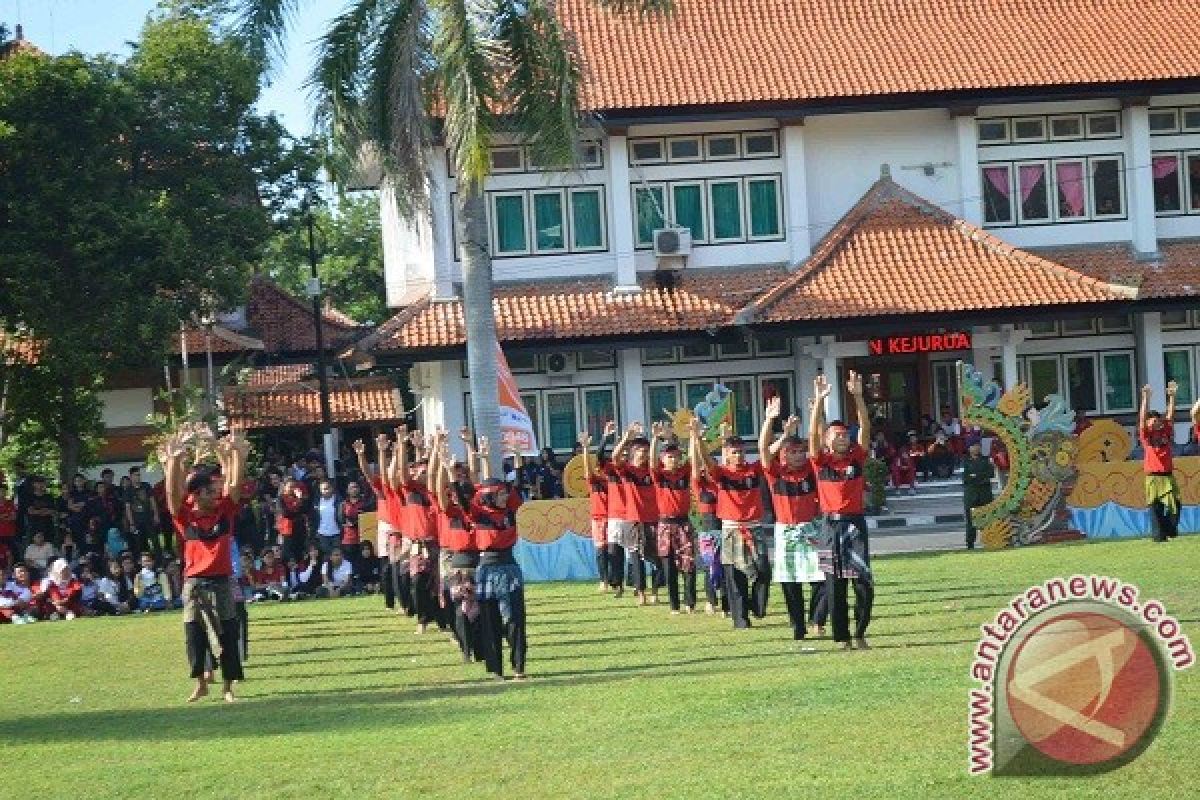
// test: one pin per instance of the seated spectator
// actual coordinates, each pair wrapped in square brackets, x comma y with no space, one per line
[928,428]
[271,579]
[151,587]
[17,599]
[114,593]
[368,573]
[174,579]
[60,593]
[39,554]
[89,593]
[293,580]
[245,578]
[337,576]
[881,448]
[910,459]
[8,525]
[309,574]
[114,541]
[939,457]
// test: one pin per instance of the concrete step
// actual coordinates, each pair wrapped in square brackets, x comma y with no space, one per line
[911,522]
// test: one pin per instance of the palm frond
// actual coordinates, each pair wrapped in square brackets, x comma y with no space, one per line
[262,25]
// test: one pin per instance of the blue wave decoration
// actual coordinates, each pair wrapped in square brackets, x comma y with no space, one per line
[570,557]
[1114,521]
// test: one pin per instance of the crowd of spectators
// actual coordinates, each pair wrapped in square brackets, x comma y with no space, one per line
[108,547]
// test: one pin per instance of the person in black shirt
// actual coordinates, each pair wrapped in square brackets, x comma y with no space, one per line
[39,513]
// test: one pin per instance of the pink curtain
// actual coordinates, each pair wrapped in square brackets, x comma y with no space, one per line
[998,178]
[1070,187]
[1164,166]
[1027,178]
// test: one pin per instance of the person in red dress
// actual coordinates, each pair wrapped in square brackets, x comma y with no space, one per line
[1156,432]
[203,515]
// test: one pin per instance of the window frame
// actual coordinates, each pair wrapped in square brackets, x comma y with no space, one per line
[773,135]
[608,388]
[655,414]
[1050,334]
[780,216]
[737,146]
[1066,374]
[563,223]
[1183,115]
[594,147]
[674,358]
[609,360]
[1188,191]
[789,379]
[1012,189]
[544,400]
[674,219]
[1047,180]
[1091,188]
[699,140]
[712,212]
[711,355]
[1003,121]
[725,356]
[1127,327]
[1162,112]
[662,151]
[1180,182]
[1015,139]
[493,224]
[1089,331]
[1177,326]
[1053,137]
[1114,115]
[1087,194]
[598,190]
[647,186]
[1133,388]
[1189,353]
[761,353]
[1039,399]
[514,148]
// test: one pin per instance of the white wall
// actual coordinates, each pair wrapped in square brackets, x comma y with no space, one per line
[127,408]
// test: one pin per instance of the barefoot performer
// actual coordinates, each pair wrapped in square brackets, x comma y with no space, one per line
[676,538]
[1157,434]
[845,553]
[203,518]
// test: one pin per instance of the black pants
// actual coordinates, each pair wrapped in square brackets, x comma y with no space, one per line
[197,649]
[737,593]
[467,634]
[689,584]
[404,587]
[760,590]
[714,591]
[293,548]
[493,631]
[793,595]
[243,632]
[602,562]
[818,612]
[387,578]
[616,565]
[1163,524]
[864,599]
[424,597]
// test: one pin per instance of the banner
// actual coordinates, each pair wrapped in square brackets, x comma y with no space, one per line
[516,428]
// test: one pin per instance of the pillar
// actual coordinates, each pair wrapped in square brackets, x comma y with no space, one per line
[441,228]
[440,389]
[1139,179]
[621,223]
[970,189]
[829,367]
[629,377]
[1150,368]
[1008,352]
[804,371]
[796,193]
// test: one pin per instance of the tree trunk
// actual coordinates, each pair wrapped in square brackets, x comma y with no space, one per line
[479,316]
[69,445]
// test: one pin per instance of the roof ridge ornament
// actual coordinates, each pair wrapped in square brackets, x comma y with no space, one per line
[885,171]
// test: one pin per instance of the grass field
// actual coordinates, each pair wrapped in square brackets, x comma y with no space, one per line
[342,700]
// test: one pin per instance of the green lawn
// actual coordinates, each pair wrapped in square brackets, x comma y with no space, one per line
[342,700]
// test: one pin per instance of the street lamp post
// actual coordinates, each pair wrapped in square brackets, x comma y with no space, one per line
[314,291]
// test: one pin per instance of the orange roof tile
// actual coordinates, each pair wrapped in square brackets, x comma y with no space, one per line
[222,340]
[897,254]
[285,323]
[715,52]
[582,309]
[297,405]
[1175,275]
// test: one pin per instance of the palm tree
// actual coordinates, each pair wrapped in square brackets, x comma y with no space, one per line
[393,76]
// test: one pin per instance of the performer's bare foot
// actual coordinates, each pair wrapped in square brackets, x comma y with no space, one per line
[497,678]
[201,690]
[861,644]
[641,598]
[619,593]
[603,587]
[228,692]
[421,626]
[654,599]
[208,676]
[690,610]
[519,676]
[709,608]
[674,612]
[847,645]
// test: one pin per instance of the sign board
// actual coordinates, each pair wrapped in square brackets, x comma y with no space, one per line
[922,343]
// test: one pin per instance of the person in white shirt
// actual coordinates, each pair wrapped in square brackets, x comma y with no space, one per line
[39,554]
[329,524]
[113,593]
[338,576]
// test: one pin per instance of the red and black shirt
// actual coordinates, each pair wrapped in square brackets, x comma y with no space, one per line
[495,528]
[351,509]
[454,529]
[840,482]
[739,492]
[207,539]
[637,485]
[419,520]
[616,492]
[598,495]
[672,492]
[793,493]
[1157,443]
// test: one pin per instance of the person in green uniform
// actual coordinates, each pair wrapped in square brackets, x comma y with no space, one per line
[977,486]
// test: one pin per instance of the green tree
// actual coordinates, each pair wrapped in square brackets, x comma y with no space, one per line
[349,249]
[131,199]
[391,71]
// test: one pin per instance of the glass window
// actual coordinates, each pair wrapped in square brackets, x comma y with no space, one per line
[725,203]
[1066,127]
[684,149]
[1029,129]
[1035,201]
[762,195]
[724,146]
[773,345]
[508,213]
[945,387]
[1042,328]
[780,386]
[1070,189]
[1081,383]
[1191,119]
[735,349]
[1164,120]
[1175,319]
[743,405]
[506,159]
[697,351]
[649,206]
[587,220]
[562,422]
[1106,187]
[695,391]
[600,408]
[592,359]
[1118,382]
[1043,378]
[662,399]
[1177,364]
[1076,326]
[658,355]
[591,154]
[646,151]
[1103,125]
[1116,323]
[520,361]
[548,222]
[530,401]
[1193,181]
[1168,195]
[997,195]
[992,131]
[761,144]
[687,208]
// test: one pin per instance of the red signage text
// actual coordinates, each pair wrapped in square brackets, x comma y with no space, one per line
[924,343]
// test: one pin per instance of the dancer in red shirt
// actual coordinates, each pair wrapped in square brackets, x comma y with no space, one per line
[631,465]
[845,554]
[598,495]
[1156,432]
[676,538]
[453,493]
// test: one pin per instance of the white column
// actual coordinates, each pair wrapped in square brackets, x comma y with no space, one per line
[981,354]
[629,376]
[829,367]
[1151,369]
[796,193]
[439,388]
[442,227]
[1140,179]
[621,221]
[1009,358]
[970,189]
[804,370]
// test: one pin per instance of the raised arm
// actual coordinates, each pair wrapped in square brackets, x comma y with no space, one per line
[175,474]
[816,432]
[790,428]
[854,384]
[440,477]
[464,433]
[1172,390]
[440,440]
[1144,408]
[770,414]
[360,455]
[657,431]
[702,457]
[618,455]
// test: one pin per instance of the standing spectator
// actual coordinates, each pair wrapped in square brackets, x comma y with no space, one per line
[327,512]
[141,518]
[17,599]
[22,492]
[549,476]
[293,519]
[114,593]
[977,486]
[107,508]
[8,523]
[39,554]
[39,513]
[337,576]
[348,513]
[114,542]
[75,505]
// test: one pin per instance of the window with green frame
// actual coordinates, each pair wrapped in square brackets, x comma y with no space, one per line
[549,231]
[725,204]
[587,219]
[1177,364]
[648,206]
[599,408]
[1043,378]
[661,398]
[781,387]
[1118,382]
[530,401]
[695,392]
[562,426]
[508,212]
[687,203]
[762,197]
[743,405]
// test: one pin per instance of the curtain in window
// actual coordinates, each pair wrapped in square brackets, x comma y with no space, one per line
[763,197]
[1069,176]
[689,209]
[1164,166]
[586,225]
[510,224]
[998,178]
[726,210]
[548,221]
[1032,180]
[1028,177]
[1118,382]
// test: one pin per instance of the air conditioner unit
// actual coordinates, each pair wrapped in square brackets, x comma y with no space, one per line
[672,242]
[560,364]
